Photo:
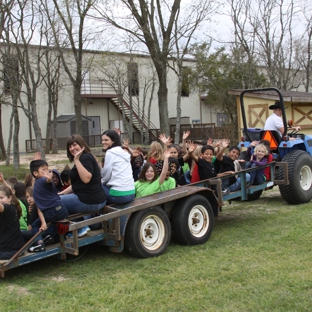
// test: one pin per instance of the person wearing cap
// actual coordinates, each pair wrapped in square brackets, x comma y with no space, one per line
[275,121]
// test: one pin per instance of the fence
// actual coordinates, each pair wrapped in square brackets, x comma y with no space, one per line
[91,140]
[197,133]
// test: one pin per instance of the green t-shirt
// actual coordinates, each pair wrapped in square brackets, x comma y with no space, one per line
[168,184]
[23,218]
[146,188]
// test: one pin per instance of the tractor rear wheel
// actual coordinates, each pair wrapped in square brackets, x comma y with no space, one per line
[299,189]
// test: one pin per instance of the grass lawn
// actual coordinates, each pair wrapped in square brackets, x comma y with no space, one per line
[257,259]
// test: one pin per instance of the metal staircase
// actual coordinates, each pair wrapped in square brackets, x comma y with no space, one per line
[139,120]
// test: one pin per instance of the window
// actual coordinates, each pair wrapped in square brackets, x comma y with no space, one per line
[186,73]
[221,119]
[133,79]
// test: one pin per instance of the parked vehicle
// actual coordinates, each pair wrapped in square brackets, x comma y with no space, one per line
[296,152]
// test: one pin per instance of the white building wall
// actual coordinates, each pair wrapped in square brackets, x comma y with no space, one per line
[101,106]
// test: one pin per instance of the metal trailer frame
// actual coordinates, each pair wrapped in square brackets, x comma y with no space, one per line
[117,217]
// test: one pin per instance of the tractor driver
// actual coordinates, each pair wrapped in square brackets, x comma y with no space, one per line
[275,121]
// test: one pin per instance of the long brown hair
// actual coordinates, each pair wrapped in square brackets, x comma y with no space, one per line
[76,138]
[142,177]
[8,192]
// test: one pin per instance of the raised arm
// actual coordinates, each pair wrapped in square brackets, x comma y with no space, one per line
[224,144]
[3,181]
[166,140]
[165,167]
[184,137]
[192,148]
[84,174]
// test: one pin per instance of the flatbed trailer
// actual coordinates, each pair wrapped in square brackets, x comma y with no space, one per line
[143,227]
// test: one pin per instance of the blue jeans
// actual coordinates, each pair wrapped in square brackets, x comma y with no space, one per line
[74,205]
[235,186]
[187,176]
[256,177]
[50,215]
[117,199]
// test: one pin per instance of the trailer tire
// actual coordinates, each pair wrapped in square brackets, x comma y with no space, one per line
[148,233]
[299,189]
[192,220]
[255,195]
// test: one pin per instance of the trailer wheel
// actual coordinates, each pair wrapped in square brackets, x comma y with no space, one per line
[148,233]
[299,189]
[255,195]
[192,220]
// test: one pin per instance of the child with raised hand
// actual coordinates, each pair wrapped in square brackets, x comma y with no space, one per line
[11,239]
[156,156]
[149,183]
[23,218]
[258,158]
[194,167]
[230,165]
[205,168]
[174,153]
[49,205]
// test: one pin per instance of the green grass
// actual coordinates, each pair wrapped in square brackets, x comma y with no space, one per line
[9,171]
[258,258]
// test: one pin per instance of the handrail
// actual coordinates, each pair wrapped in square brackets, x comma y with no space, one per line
[99,87]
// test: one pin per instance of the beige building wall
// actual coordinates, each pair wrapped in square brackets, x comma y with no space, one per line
[103,107]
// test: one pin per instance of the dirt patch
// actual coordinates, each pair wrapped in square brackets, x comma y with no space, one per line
[55,161]
[18,290]
[59,278]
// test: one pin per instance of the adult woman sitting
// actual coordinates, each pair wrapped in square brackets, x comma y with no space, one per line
[117,175]
[85,194]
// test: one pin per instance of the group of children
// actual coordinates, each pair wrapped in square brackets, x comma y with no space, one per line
[167,166]
[164,167]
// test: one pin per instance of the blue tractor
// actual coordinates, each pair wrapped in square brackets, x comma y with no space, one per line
[293,147]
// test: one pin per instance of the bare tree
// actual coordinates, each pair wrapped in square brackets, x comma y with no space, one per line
[303,46]
[72,23]
[264,29]
[151,22]
[183,34]
[148,89]
[21,28]
[5,10]
[51,63]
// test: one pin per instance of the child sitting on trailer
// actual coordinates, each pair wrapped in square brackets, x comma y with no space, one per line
[11,239]
[149,183]
[49,205]
[230,165]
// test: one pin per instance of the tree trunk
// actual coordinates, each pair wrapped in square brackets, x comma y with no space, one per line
[8,150]
[163,104]
[2,147]
[77,105]
[16,158]
[49,123]
[177,131]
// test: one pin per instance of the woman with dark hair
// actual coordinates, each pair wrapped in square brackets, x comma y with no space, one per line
[117,175]
[85,194]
